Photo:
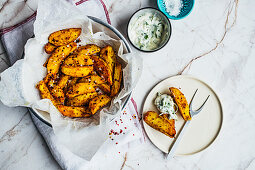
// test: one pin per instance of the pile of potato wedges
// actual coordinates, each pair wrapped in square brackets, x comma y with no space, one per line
[80,80]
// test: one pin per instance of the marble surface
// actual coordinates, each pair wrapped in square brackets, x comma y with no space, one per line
[214,43]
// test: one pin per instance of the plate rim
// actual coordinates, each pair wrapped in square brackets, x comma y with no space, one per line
[121,37]
[221,108]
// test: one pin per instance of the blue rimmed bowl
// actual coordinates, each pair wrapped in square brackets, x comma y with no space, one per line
[185,10]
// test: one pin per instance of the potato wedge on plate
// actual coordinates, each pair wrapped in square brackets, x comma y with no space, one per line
[160,123]
[80,88]
[78,60]
[117,77]
[88,49]
[58,56]
[81,100]
[181,102]
[107,53]
[94,78]
[58,93]
[104,87]
[44,92]
[64,37]
[71,111]
[49,48]
[77,71]
[102,68]
[98,102]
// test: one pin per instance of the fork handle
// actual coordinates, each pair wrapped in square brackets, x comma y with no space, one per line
[177,140]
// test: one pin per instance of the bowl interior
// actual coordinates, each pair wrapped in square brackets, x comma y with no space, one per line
[166,32]
[185,10]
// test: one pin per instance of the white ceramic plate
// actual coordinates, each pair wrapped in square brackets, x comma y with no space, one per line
[204,127]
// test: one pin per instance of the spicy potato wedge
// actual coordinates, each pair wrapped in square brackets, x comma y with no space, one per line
[160,123]
[96,103]
[63,80]
[58,93]
[81,100]
[49,48]
[94,78]
[77,71]
[117,77]
[104,87]
[78,60]
[88,49]
[44,92]
[102,68]
[71,111]
[64,37]
[80,88]
[107,53]
[58,56]
[181,102]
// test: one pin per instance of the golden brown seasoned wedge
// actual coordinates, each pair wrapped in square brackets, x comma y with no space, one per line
[63,80]
[181,102]
[88,49]
[102,68]
[71,111]
[116,80]
[44,92]
[64,37]
[58,56]
[94,78]
[98,102]
[49,48]
[160,123]
[81,99]
[107,53]
[58,94]
[80,88]
[78,60]
[77,71]
[105,87]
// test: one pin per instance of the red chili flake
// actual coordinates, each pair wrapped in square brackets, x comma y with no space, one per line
[133,134]
[116,143]
[120,119]
[130,119]
[125,127]
[121,122]
[119,152]
[120,130]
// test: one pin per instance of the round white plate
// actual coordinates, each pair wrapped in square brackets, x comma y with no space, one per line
[204,127]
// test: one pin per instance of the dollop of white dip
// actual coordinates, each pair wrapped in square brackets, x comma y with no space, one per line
[146,31]
[165,104]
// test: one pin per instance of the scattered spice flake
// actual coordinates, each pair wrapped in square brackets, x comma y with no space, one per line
[116,143]
[121,131]
[133,134]
[125,127]
[119,152]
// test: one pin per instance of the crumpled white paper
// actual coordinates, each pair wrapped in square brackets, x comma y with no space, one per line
[17,86]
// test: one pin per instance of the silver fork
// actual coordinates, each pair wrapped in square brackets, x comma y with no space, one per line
[186,124]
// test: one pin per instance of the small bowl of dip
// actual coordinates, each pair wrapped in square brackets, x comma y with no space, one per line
[149,29]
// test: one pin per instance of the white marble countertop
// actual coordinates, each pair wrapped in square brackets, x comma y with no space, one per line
[214,43]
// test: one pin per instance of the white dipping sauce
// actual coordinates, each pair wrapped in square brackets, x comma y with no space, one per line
[147,30]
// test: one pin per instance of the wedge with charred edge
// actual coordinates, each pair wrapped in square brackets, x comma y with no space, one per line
[98,102]
[105,87]
[58,93]
[80,88]
[116,79]
[78,60]
[71,83]
[64,37]
[44,92]
[81,99]
[77,71]
[102,68]
[49,48]
[88,49]
[71,111]
[50,80]
[107,53]
[181,102]
[94,78]
[160,123]
[63,80]
[58,56]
